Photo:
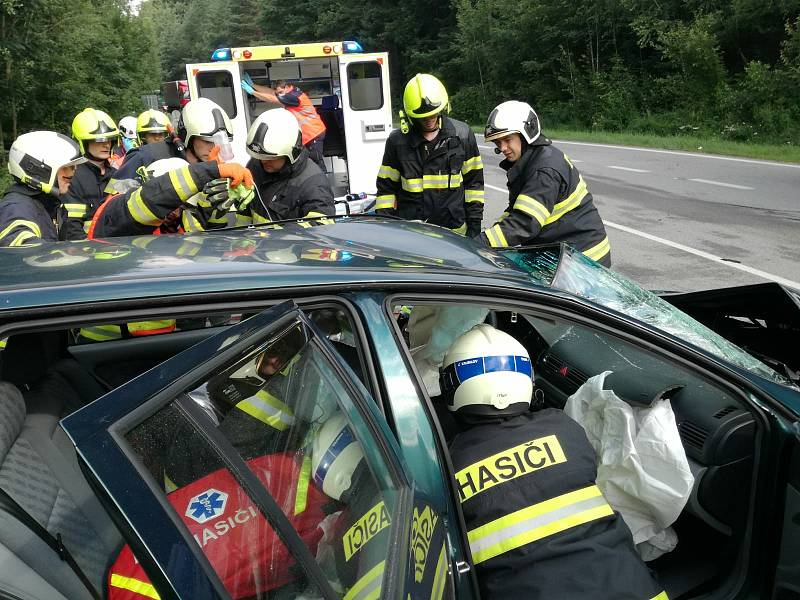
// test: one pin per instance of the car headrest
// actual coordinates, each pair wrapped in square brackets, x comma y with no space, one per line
[28,356]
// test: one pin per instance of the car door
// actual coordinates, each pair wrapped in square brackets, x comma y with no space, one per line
[256,464]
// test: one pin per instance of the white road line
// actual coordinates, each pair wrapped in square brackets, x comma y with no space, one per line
[632,170]
[712,257]
[706,255]
[486,147]
[723,184]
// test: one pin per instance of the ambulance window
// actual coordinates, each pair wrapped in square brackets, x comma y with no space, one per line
[218,86]
[365,84]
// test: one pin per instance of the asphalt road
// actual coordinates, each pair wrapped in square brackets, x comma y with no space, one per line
[682,221]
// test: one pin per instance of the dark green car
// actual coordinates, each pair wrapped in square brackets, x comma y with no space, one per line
[128,364]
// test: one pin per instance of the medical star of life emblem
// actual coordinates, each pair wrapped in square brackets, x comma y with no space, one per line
[207,505]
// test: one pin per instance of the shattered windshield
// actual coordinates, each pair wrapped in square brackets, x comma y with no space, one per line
[565,269]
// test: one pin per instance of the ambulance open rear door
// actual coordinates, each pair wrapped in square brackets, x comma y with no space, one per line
[367,111]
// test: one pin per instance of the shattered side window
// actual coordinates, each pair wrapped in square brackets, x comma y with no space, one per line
[583,277]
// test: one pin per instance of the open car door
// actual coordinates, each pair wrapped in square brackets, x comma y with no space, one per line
[254,465]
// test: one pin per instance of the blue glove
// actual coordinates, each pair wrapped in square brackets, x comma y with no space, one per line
[247,87]
[248,79]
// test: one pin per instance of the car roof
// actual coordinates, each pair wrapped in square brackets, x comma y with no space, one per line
[278,255]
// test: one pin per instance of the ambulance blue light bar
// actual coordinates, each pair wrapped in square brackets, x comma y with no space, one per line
[221,54]
[352,47]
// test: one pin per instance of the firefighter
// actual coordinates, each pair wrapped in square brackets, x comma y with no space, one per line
[288,184]
[175,198]
[538,525]
[548,200]
[296,101]
[127,139]
[96,134]
[42,164]
[432,169]
[201,119]
[152,126]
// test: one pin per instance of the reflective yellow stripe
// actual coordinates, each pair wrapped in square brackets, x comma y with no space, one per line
[188,249]
[496,237]
[182,183]
[385,201]
[21,238]
[531,206]
[440,577]
[432,182]
[572,201]
[150,327]
[301,497]
[143,242]
[242,220]
[305,224]
[3,343]
[460,230]
[474,196]
[471,165]
[598,251]
[191,224]
[268,409]
[134,585]
[169,485]
[369,586]
[313,214]
[101,333]
[34,227]
[411,185]
[537,522]
[661,596]
[140,211]
[75,210]
[388,172]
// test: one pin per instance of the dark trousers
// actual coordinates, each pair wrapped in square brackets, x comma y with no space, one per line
[315,151]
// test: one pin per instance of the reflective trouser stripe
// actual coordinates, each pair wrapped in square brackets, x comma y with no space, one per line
[268,409]
[440,577]
[77,211]
[31,225]
[474,196]
[388,172]
[23,237]
[182,183]
[472,164]
[537,521]
[140,211]
[496,237]
[661,596]
[101,333]
[136,586]
[369,586]
[301,497]
[385,201]
[532,207]
[598,251]
[572,201]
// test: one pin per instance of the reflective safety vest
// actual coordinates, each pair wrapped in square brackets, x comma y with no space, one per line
[311,124]
[538,525]
[240,544]
[105,333]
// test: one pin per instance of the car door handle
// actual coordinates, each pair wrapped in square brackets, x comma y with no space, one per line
[374,128]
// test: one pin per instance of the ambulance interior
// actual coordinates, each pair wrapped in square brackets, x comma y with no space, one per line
[320,79]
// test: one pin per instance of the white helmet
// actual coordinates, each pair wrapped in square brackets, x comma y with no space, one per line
[487,372]
[36,157]
[203,118]
[164,165]
[127,127]
[513,117]
[336,458]
[275,133]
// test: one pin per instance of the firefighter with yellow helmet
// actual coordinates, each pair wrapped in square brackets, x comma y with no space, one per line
[432,169]
[152,126]
[42,164]
[96,134]
[548,200]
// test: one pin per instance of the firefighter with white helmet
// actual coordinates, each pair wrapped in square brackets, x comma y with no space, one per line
[289,185]
[548,200]
[96,134]
[42,164]
[538,525]
[432,169]
[127,141]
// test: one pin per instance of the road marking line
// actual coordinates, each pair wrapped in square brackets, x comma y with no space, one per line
[486,147]
[632,170]
[723,184]
[712,257]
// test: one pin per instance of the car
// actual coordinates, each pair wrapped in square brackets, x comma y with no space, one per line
[130,439]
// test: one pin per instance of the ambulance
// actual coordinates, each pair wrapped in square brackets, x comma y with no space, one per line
[348,87]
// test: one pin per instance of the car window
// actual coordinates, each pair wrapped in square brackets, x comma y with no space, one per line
[282,408]
[218,86]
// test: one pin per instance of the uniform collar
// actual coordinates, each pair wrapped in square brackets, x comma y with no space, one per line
[447,130]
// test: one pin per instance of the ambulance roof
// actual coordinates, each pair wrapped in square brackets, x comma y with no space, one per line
[284,51]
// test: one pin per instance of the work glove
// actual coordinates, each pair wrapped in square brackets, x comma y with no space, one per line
[215,195]
[473,229]
[247,84]
[237,174]
[241,196]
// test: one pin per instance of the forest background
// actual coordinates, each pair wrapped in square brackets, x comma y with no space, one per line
[725,69]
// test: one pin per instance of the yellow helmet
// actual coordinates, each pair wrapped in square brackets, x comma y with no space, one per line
[424,96]
[92,125]
[152,121]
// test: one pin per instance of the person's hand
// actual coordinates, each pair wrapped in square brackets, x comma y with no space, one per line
[247,85]
[215,194]
[237,174]
[247,79]
[242,196]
